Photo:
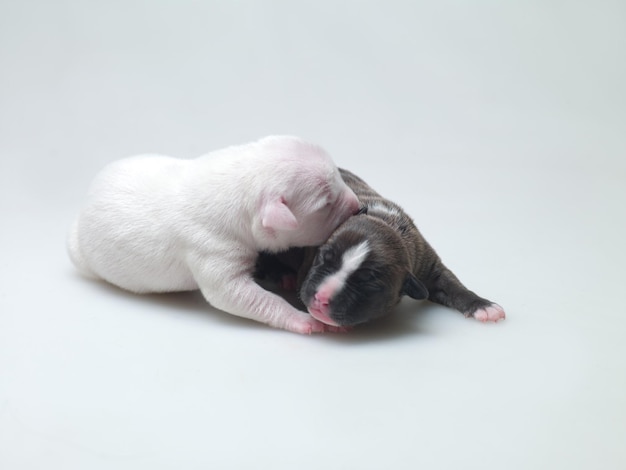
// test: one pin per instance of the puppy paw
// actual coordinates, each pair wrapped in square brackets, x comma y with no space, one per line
[491,313]
[305,325]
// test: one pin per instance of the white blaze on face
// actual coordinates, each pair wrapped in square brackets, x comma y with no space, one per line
[351,260]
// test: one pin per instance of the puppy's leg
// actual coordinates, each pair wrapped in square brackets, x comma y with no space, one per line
[446,289]
[247,299]
[241,296]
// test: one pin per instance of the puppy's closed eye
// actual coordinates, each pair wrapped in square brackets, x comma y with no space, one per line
[365,275]
[326,257]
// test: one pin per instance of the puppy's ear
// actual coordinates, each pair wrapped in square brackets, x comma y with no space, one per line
[414,288]
[277,216]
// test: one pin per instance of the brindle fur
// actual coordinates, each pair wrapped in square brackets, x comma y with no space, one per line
[401,262]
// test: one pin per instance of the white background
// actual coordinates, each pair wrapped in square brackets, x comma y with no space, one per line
[499,126]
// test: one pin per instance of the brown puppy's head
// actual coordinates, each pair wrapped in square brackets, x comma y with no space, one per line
[359,274]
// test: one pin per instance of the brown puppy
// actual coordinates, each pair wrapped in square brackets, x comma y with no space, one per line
[372,260]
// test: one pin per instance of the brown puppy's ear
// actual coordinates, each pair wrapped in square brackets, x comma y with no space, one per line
[277,216]
[414,288]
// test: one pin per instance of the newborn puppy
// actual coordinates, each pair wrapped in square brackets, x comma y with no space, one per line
[372,260]
[159,224]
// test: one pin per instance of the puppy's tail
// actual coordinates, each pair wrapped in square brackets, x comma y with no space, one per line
[76,254]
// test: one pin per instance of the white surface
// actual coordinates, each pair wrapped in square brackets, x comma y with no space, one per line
[500,127]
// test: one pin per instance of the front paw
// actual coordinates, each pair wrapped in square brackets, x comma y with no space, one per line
[303,324]
[307,325]
[491,313]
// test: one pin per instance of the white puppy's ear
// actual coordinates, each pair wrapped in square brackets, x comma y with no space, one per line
[277,216]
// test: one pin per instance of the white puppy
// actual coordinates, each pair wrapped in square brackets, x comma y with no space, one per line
[159,224]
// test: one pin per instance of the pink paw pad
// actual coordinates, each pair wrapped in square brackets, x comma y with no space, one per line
[492,313]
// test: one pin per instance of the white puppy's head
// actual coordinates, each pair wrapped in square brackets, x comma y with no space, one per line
[305,199]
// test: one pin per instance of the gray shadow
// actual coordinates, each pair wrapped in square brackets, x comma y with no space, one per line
[404,320]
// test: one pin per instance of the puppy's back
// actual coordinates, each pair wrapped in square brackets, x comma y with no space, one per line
[125,196]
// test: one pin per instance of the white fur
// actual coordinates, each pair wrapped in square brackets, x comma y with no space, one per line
[352,259]
[384,208]
[157,224]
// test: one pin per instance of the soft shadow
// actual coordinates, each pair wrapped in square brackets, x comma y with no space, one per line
[405,320]
[188,303]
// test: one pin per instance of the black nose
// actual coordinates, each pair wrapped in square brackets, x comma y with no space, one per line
[362,210]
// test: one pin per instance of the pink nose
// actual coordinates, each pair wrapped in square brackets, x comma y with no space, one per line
[322,300]
[320,309]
